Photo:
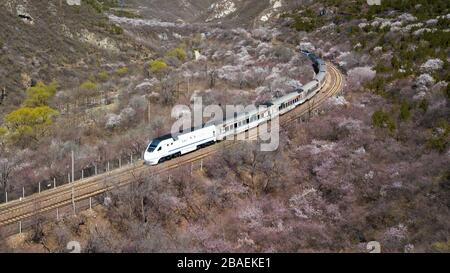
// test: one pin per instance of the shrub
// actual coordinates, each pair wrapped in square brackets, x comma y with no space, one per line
[3,135]
[27,123]
[405,112]
[158,66]
[39,94]
[381,68]
[122,71]
[447,90]
[88,85]
[438,139]
[441,246]
[125,13]
[381,119]
[103,75]
[116,30]
[95,5]
[377,85]
[178,53]
[423,105]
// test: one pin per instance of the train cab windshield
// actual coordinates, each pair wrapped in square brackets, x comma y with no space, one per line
[153,146]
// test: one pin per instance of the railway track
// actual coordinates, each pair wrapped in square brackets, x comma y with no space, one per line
[46,201]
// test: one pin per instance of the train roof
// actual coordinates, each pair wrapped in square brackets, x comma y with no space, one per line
[164,137]
[309,84]
[285,98]
[174,136]
[241,115]
[320,76]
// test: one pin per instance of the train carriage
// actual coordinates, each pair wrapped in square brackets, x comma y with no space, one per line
[287,102]
[169,146]
[243,122]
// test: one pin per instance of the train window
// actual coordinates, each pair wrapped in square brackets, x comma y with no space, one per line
[235,125]
[248,121]
[159,149]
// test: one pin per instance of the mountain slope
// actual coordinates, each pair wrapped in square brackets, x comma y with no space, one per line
[49,40]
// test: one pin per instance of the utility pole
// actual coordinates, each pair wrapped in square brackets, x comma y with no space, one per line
[188,84]
[148,111]
[73,201]
[2,95]
[73,166]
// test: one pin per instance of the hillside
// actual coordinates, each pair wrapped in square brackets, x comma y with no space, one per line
[371,165]
[229,12]
[50,40]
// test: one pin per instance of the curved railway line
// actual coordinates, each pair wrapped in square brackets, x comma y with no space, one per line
[20,210]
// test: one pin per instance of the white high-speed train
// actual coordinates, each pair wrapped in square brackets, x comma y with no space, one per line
[169,146]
